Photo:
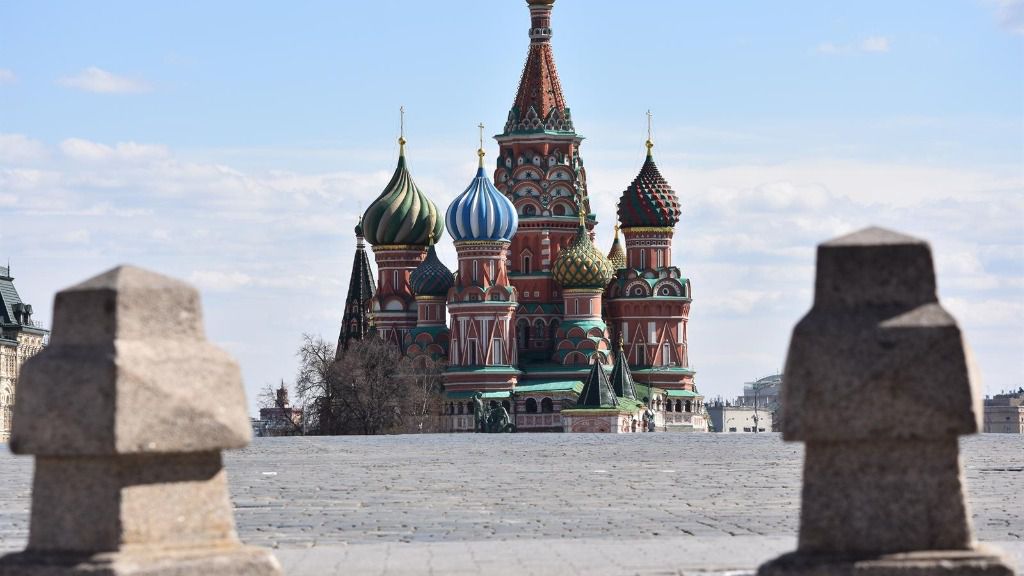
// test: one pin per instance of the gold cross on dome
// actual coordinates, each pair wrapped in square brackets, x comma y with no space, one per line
[480,151]
[401,128]
[650,142]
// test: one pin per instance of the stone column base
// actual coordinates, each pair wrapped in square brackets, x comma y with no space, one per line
[240,561]
[980,561]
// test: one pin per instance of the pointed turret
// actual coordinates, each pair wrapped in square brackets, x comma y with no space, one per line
[356,322]
[617,254]
[597,391]
[622,378]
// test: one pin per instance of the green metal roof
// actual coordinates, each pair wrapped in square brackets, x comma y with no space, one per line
[551,386]
[681,394]
[463,394]
[661,370]
[485,369]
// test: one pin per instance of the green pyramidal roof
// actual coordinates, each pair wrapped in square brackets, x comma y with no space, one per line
[402,214]
[622,379]
[597,391]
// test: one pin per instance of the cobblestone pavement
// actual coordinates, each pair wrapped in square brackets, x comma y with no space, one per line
[588,504]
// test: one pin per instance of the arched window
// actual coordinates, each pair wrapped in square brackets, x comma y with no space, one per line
[527,261]
[538,329]
[547,406]
[666,354]
[558,210]
[531,406]
[529,210]
[679,405]
[553,329]
[688,407]
[470,408]
[461,407]
[523,333]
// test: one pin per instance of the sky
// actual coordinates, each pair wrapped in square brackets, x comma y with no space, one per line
[234,144]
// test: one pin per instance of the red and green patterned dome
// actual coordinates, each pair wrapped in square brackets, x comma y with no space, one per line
[582,265]
[431,277]
[649,201]
[401,215]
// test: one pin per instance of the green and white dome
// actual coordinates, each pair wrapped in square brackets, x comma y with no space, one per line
[402,214]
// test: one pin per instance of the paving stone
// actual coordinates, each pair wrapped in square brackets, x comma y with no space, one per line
[742,489]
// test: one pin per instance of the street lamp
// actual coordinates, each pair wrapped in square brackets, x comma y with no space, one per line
[757,391]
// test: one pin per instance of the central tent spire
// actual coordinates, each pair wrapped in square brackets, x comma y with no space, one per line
[539,105]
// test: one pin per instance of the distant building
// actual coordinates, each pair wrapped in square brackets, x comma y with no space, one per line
[1005,413]
[763,391]
[756,410]
[281,420]
[730,418]
[20,339]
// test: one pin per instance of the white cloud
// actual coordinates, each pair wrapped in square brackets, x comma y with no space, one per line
[828,48]
[875,44]
[7,76]
[18,148]
[86,150]
[100,81]
[870,44]
[1010,14]
[220,281]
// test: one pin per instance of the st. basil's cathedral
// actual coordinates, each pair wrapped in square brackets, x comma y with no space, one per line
[535,317]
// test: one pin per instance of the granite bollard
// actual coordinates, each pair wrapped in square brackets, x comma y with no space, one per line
[879,386]
[126,412]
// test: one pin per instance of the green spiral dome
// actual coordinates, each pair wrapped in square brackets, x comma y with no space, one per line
[582,265]
[402,214]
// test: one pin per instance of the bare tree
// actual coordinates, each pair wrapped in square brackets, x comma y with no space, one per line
[421,394]
[370,387]
[316,384]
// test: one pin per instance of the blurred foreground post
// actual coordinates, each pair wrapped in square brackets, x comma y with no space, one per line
[126,412]
[880,385]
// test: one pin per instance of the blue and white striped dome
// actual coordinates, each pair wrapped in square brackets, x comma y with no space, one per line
[481,213]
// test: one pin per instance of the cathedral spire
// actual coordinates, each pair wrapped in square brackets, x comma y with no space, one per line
[355,324]
[539,105]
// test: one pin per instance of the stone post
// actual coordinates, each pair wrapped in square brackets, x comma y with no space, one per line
[880,385]
[126,412]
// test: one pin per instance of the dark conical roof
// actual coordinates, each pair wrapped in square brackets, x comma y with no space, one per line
[649,200]
[431,277]
[597,391]
[355,324]
[622,378]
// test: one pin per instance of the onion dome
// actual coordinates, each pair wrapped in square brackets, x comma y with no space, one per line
[649,200]
[481,212]
[431,277]
[401,214]
[617,255]
[582,265]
